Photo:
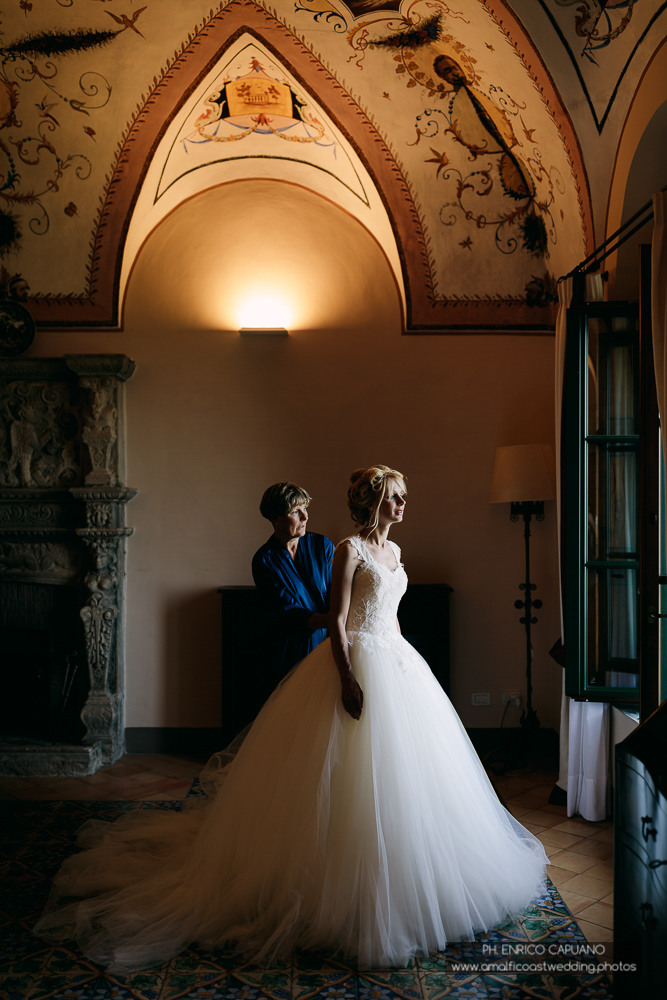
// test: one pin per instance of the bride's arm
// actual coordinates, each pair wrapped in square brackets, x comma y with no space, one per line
[344,564]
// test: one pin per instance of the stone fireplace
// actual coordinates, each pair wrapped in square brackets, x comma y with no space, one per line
[62,563]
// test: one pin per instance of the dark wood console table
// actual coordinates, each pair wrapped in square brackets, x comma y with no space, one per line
[247,655]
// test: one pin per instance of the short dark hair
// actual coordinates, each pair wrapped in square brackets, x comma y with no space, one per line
[282,498]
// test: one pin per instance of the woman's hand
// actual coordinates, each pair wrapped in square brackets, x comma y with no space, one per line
[353,696]
[317,620]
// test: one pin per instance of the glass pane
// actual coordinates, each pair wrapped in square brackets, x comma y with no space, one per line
[613,627]
[612,501]
[612,376]
[622,503]
[621,403]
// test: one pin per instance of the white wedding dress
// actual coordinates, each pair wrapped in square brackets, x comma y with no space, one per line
[378,839]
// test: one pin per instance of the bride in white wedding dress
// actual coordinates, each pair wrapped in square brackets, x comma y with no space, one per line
[364,825]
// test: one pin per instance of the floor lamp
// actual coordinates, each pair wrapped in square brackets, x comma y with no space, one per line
[525,476]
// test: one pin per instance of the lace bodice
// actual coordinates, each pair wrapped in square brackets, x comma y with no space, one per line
[376,593]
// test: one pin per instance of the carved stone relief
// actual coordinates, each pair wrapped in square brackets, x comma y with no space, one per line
[61,464]
[38,561]
[99,430]
[39,432]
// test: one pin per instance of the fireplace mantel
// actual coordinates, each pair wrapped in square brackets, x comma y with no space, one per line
[62,524]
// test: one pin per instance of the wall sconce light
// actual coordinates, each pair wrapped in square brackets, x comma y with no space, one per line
[263,331]
[525,476]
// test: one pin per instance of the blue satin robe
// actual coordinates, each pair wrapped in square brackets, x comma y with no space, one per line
[292,592]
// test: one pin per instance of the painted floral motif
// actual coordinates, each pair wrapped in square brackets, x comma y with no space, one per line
[485,124]
[31,115]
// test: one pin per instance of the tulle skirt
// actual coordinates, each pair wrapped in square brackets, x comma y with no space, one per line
[378,839]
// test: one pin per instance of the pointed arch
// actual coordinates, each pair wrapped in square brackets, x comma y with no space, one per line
[425,312]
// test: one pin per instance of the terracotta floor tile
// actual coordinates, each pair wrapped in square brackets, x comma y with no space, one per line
[518,811]
[47,782]
[544,790]
[574,901]
[558,839]
[530,799]
[560,876]
[122,768]
[603,869]
[593,848]
[573,862]
[586,885]
[605,836]
[170,788]
[69,785]
[580,827]
[557,810]
[517,785]
[147,777]
[98,778]
[599,913]
[179,772]
[159,797]
[532,827]
[608,899]
[594,932]
[550,849]
[541,817]
[16,783]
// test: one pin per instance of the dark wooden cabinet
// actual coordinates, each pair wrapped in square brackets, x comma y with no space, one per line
[248,659]
[640,859]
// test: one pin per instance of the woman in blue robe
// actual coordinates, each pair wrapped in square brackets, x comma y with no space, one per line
[292,572]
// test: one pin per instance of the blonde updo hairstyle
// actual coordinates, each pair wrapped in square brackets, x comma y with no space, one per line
[368,489]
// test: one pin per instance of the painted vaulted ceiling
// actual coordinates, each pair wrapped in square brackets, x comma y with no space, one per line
[475,140]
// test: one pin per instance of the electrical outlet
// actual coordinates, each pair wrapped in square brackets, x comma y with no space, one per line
[511,698]
[481,698]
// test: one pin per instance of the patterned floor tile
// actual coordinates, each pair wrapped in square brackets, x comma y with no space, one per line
[42,833]
[541,924]
[99,989]
[314,974]
[343,991]
[251,982]
[206,985]
[404,983]
[15,987]
[273,983]
[518,987]
[145,985]
[17,942]
[371,991]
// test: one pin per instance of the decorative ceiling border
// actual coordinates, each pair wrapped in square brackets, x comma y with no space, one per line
[425,312]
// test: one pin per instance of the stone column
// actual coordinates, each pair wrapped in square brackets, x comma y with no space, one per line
[102,383]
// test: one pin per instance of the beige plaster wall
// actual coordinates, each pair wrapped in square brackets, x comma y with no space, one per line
[213,418]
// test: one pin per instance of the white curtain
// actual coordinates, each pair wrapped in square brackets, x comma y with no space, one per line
[659,304]
[564,299]
[584,729]
[588,777]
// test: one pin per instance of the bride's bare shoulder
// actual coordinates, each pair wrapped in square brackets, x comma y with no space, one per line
[349,548]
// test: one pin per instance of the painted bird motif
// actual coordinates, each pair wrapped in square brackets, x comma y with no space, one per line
[126,21]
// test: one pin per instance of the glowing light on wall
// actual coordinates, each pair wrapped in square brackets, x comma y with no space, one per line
[263,307]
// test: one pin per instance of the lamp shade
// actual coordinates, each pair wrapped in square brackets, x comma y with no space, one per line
[523,472]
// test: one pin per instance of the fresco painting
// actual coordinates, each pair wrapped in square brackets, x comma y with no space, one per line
[453,95]
[430,57]
[35,155]
[603,42]
[252,108]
